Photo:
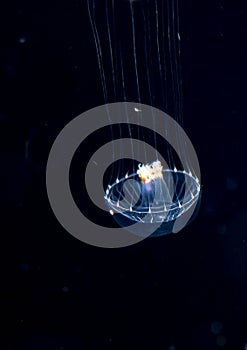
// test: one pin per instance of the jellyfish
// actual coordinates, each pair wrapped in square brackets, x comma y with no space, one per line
[138,53]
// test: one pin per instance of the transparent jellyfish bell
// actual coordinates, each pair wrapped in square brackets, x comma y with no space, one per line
[160,200]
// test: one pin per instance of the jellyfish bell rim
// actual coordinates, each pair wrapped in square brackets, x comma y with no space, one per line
[164,211]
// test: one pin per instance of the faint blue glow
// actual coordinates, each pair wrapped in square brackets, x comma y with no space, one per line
[216,327]
[24,267]
[22,40]
[65,289]
[221,340]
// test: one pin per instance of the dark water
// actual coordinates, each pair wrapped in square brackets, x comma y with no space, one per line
[186,290]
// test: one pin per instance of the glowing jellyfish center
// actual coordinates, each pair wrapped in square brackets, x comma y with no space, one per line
[150,172]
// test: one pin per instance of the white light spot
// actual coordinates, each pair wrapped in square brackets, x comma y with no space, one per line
[137,110]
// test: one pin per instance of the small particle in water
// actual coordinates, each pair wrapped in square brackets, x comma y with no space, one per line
[24,267]
[231,184]
[222,229]
[221,340]
[137,109]
[22,40]
[216,327]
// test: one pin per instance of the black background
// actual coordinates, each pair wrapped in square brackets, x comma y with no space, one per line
[186,290]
